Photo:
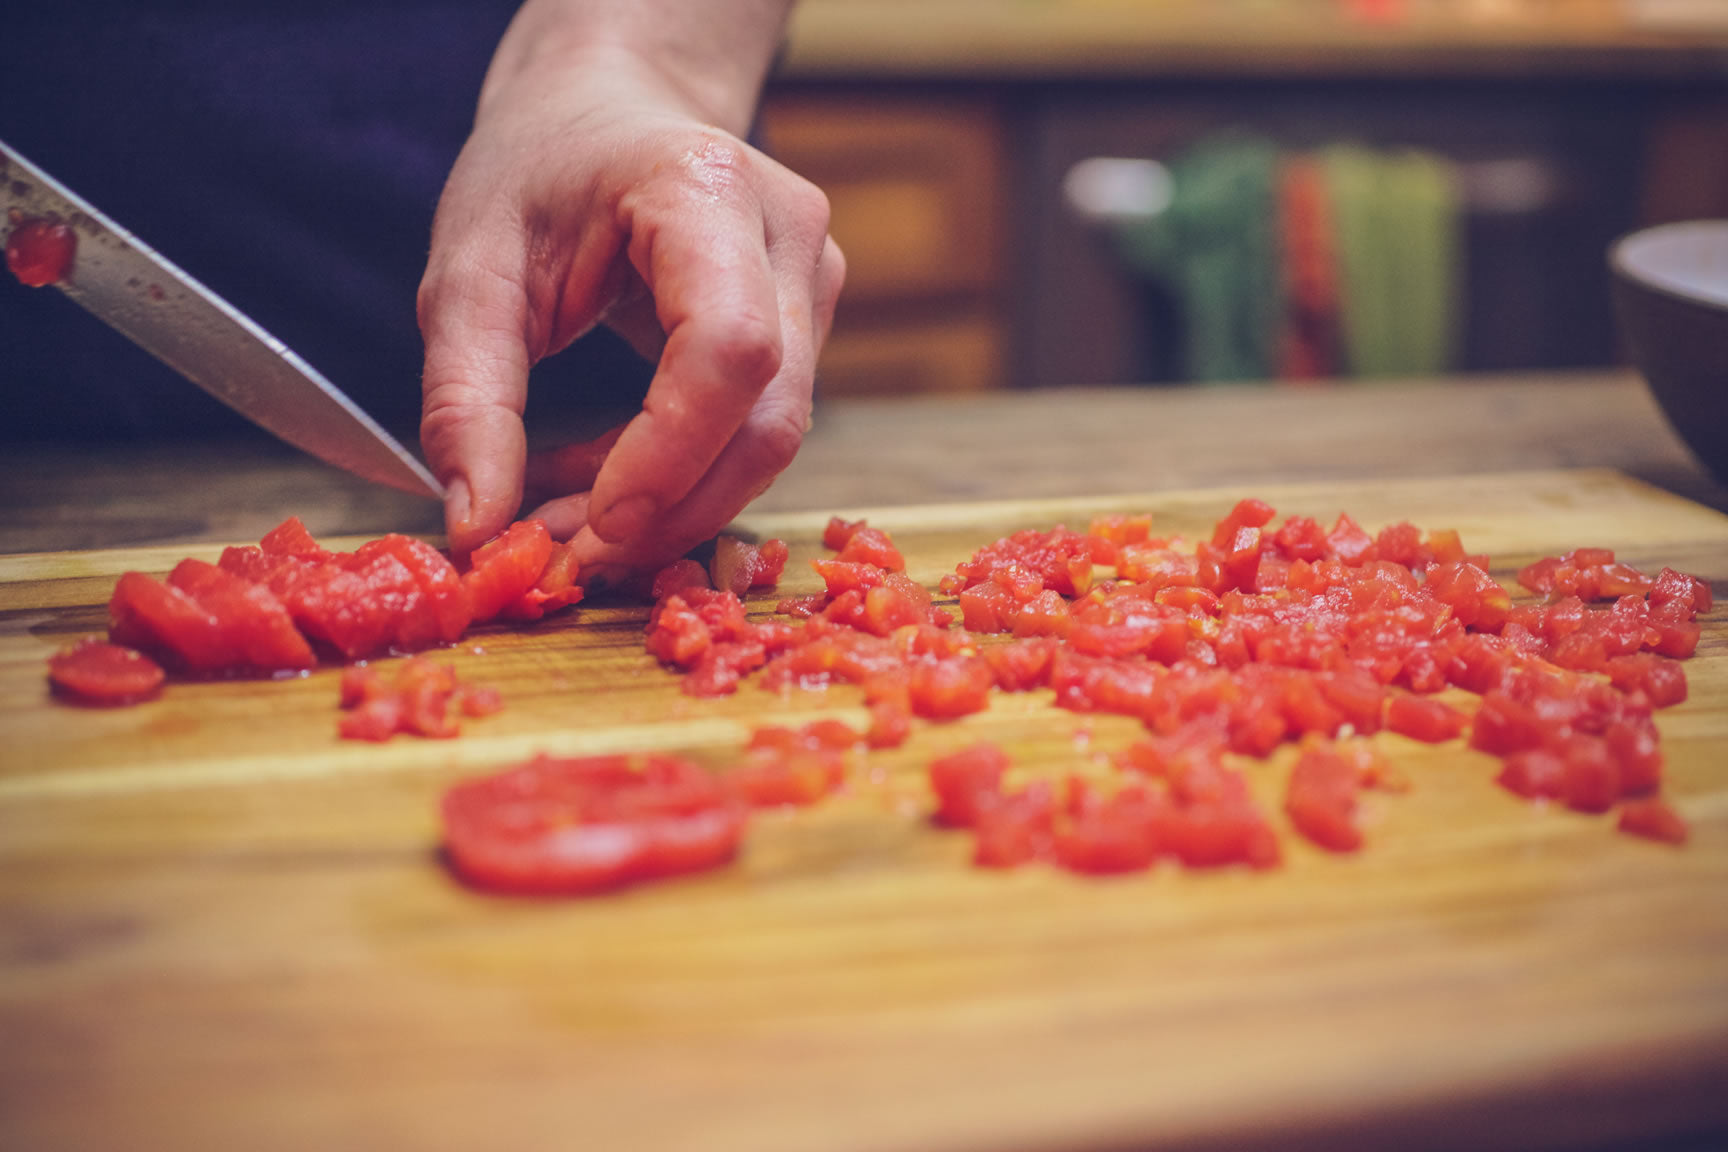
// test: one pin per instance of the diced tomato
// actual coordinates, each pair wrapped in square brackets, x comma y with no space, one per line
[1661,680]
[1671,587]
[1349,542]
[678,575]
[967,782]
[1115,836]
[587,825]
[1017,828]
[867,545]
[838,532]
[167,622]
[556,588]
[944,689]
[783,766]
[1428,720]
[259,633]
[290,538]
[1652,819]
[95,671]
[739,566]
[1321,796]
[416,697]
[1301,538]
[505,567]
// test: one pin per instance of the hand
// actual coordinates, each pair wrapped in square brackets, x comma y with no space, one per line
[594,195]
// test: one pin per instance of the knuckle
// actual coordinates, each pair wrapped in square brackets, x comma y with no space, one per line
[748,351]
[775,437]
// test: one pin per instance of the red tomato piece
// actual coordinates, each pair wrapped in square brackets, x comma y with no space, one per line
[580,826]
[868,545]
[680,574]
[1420,718]
[167,622]
[505,567]
[838,532]
[1320,798]
[1653,819]
[1114,836]
[557,587]
[95,671]
[416,697]
[967,782]
[1349,542]
[786,767]
[738,565]
[1661,680]
[1018,828]
[40,251]
[1301,538]
[1021,665]
[1678,588]
[943,689]
[258,629]
[290,538]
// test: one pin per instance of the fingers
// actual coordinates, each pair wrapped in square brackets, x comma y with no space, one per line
[732,270]
[474,321]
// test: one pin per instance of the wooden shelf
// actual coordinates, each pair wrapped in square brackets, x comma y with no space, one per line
[936,39]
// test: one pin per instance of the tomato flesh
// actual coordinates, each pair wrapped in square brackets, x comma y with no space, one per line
[40,251]
[96,672]
[587,825]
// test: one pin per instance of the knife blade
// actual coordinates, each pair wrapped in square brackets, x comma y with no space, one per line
[163,310]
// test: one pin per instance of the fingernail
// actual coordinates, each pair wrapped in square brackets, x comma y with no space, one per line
[456,505]
[625,519]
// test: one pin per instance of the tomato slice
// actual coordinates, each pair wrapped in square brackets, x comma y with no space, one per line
[590,824]
[94,671]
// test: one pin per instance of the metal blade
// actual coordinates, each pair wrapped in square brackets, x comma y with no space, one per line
[170,315]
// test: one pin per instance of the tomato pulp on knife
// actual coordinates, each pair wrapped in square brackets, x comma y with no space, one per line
[39,251]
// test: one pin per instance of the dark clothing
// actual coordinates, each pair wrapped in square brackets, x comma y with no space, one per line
[289,156]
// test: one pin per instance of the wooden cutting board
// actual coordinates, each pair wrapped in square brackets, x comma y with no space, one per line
[222,927]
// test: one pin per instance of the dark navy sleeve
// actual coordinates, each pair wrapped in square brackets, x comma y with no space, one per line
[289,156]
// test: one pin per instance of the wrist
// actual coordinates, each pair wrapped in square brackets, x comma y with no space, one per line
[701,58]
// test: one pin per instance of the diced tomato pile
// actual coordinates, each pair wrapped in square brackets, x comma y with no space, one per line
[1263,634]
[1224,650]
[280,606]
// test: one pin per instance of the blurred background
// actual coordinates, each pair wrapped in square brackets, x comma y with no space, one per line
[1046,193]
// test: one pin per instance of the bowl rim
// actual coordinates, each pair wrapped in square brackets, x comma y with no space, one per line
[1626,272]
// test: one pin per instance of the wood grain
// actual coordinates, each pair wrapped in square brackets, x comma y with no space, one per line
[222,927]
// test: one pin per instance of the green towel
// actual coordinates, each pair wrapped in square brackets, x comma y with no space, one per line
[1396,217]
[1216,246]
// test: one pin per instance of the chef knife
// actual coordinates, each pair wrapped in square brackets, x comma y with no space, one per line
[188,327]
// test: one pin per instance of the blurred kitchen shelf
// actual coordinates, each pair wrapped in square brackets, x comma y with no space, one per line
[941,131]
[1124,38]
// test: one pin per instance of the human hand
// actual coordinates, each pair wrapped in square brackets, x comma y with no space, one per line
[591,195]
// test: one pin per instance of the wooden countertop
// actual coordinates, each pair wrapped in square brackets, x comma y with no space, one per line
[220,926]
[1027,39]
[1000,445]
